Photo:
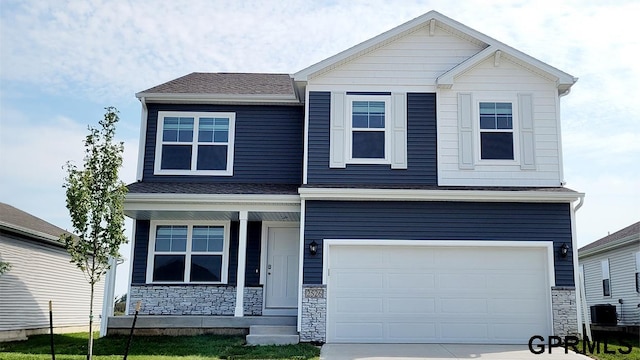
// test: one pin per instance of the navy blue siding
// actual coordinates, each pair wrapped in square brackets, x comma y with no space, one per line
[252,274]
[140,249]
[268,144]
[421,147]
[397,220]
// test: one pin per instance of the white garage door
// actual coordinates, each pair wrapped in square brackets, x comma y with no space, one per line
[425,294]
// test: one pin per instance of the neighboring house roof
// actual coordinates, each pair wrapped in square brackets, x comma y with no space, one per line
[18,221]
[225,86]
[211,188]
[621,237]
[491,47]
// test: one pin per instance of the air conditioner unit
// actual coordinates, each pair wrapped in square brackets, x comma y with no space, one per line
[604,314]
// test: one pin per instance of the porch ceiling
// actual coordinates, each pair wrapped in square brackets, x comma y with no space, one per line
[188,215]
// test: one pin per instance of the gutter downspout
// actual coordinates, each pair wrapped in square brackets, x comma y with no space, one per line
[142,142]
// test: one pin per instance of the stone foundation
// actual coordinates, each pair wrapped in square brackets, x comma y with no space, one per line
[314,313]
[565,316]
[193,300]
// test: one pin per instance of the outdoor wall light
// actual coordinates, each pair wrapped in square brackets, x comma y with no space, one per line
[313,248]
[564,250]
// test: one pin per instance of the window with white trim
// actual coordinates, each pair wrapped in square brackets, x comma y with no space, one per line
[496,131]
[368,121]
[606,281]
[190,143]
[188,253]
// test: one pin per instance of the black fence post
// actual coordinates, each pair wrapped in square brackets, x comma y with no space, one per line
[53,353]
[133,325]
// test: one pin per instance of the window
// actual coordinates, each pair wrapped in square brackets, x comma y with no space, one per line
[606,282]
[368,119]
[638,272]
[195,143]
[496,131]
[188,253]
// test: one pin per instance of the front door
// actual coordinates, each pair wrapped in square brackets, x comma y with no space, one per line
[282,270]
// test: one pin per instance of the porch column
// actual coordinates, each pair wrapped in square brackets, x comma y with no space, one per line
[242,263]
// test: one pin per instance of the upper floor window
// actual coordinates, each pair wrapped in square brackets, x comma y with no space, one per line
[188,253]
[368,128]
[496,131]
[195,143]
[638,272]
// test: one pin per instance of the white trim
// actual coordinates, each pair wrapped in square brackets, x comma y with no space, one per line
[264,241]
[131,253]
[108,296]
[301,264]
[37,235]
[605,270]
[305,160]
[143,139]
[609,246]
[190,224]
[437,195]
[231,116]
[446,80]
[548,245]
[211,198]
[242,263]
[576,270]
[515,130]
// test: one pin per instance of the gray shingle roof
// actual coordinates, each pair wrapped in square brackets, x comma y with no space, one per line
[228,84]
[13,217]
[211,188]
[633,229]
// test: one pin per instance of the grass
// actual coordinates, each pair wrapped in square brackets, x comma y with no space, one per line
[616,345]
[74,347]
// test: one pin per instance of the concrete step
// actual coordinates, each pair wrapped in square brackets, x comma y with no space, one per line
[272,335]
[272,330]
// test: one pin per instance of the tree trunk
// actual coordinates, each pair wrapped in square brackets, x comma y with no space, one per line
[90,349]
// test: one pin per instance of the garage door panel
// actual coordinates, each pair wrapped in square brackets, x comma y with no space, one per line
[437,294]
[406,280]
[358,280]
[417,306]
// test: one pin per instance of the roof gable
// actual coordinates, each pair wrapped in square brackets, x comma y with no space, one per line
[430,20]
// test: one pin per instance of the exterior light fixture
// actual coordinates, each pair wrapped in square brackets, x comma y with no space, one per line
[313,248]
[564,250]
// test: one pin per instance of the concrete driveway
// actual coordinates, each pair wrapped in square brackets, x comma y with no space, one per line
[439,352]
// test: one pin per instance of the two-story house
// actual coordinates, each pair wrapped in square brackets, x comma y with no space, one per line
[408,189]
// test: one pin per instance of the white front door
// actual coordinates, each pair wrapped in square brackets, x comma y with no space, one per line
[281,284]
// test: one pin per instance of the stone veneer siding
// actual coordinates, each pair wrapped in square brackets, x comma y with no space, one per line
[565,313]
[314,313]
[193,300]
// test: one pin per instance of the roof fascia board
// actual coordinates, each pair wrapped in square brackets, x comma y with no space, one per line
[435,195]
[627,240]
[303,75]
[35,235]
[226,98]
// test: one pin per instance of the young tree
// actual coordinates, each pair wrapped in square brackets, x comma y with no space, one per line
[95,197]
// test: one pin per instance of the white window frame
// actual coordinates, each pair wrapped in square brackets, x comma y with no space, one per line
[515,131]
[637,273]
[188,253]
[350,99]
[606,275]
[194,143]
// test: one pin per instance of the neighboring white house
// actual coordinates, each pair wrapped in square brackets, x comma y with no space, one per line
[611,268]
[40,272]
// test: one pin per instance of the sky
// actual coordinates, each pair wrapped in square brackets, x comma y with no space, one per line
[62,62]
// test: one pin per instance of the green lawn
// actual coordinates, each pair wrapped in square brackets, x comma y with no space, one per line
[617,347]
[74,347]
